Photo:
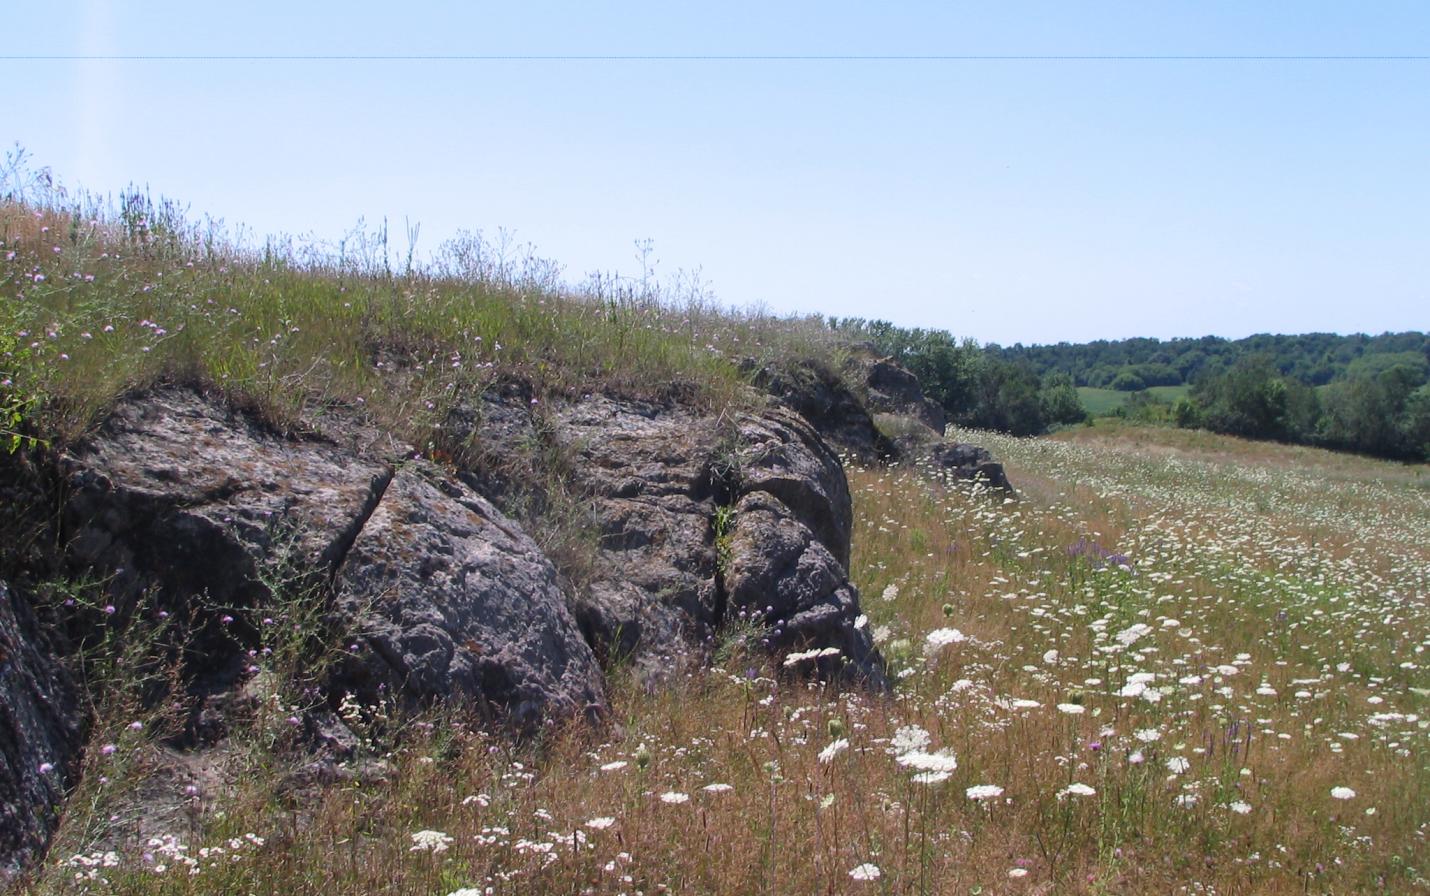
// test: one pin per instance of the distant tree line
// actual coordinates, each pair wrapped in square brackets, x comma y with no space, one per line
[1362,393]
[1130,365]
[977,388]
[1380,405]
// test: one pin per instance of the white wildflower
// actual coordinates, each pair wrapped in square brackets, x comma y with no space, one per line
[430,841]
[866,871]
[909,737]
[984,792]
[920,760]
[940,638]
[834,749]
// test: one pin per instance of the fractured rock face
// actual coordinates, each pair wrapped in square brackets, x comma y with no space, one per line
[40,735]
[817,393]
[454,600]
[782,455]
[659,477]
[654,595]
[203,507]
[780,573]
[181,494]
[197,505]
[894,389]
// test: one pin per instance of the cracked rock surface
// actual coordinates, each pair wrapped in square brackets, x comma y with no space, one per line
[455,601]
[41,734]
[184,503]
[198,504]
[655,595]
[659,478]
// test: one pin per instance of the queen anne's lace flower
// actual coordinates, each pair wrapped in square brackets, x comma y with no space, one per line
[834,749]
[430,841]
[920,760]
[866,871]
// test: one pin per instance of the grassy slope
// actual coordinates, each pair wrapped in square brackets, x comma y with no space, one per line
[91,307]
[1283,596]
[1283,592]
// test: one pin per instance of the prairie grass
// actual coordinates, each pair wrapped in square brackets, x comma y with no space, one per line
[100,298]
[1175,663]
[1151,675]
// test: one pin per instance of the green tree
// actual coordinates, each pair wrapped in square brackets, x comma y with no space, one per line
[1060,401]
[1251,399]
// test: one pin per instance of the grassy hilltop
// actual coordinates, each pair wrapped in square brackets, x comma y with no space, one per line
[1176,663]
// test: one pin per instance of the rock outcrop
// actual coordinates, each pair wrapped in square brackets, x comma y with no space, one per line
[960,460]
[41,730]
[454,601]
[200,507]
[187,507]
[652,475]
[894,389]
[663,481]
[203,511]
[817,393]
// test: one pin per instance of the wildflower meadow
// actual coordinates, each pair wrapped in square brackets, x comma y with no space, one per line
[1172,663]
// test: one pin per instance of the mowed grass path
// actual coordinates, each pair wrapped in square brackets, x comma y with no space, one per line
[1176,663]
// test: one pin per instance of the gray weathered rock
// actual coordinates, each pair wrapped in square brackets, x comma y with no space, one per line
[455,601]
[779,573]
[651,472]
[817,393]
[493,440]
[41,732]
[659,476]
[186,498]
[894,389]
[961,460]
[781,453]
[181,494]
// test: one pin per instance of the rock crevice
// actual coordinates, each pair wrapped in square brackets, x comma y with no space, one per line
[185,504]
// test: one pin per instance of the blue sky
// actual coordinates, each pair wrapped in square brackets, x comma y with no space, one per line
[1032,201]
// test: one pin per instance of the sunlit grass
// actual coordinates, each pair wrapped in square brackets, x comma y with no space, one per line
[1150,684]
[92,305]
[1175,663]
